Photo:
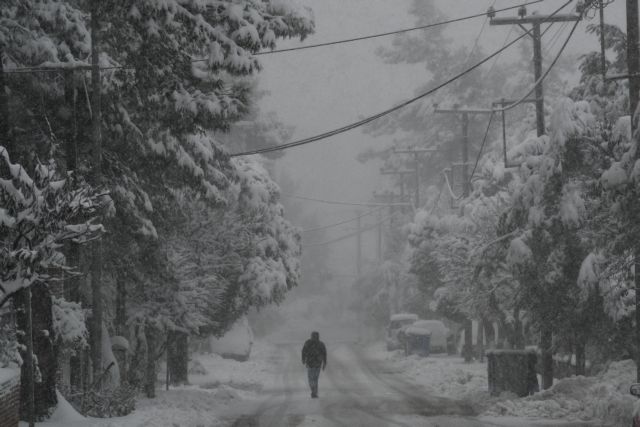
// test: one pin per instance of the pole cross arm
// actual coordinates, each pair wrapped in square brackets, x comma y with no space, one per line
[396,172]
[508,102]
[463,111]
[416,150]
[535,19]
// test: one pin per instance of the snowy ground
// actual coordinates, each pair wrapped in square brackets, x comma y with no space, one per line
[362,380]
[602,400]
[226,383]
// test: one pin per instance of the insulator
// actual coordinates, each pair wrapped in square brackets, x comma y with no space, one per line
[491,13]
[522,11]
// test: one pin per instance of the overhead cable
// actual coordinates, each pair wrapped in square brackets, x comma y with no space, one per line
[484,141]
[347,221]
[87,67]
[370,119]
[348,236]
[336,202]
[451,192]
[397,107]
[390,33]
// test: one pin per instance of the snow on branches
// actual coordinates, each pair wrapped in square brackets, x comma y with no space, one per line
[39,213]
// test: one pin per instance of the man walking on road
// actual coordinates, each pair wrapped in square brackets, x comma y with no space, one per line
[314,357]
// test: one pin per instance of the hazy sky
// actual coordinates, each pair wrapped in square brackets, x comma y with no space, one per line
[320,89]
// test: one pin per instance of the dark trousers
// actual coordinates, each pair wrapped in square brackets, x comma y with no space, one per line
[313,374]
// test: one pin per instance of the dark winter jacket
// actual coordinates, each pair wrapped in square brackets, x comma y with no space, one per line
[314,353]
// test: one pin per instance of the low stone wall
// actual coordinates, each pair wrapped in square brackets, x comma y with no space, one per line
[9,397]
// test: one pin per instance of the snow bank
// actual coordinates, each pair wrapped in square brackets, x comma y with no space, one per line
[7,374]
[604,398]
[440,375]
[236,343]
[64,412]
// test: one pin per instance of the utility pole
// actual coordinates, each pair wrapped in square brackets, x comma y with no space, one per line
[402,173]
[546,330]
[96,255]
[389,198]
[359,246]
[22,299]
[464,144]
[503,103]
[466,189]
[379,237]
[416,152]
[633,67]
[536,21]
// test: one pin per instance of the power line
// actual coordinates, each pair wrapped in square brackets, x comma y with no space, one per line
[87,67]
[348,236]
[336,202]
[390,33]
[484,141]
[397,107]
[381,114]
[324,227]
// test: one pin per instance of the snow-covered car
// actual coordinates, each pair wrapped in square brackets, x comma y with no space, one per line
[236,343]
[396,323]
[635,391]
[439,333]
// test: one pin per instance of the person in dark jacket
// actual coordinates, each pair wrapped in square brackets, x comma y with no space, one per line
[314,357]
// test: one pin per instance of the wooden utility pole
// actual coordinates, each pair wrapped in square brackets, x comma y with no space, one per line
[359,245]
[22,299]
[466,189]
[503,103]
[5,131]
[633,69]
[402,173]
[391,199]
[536,21]
[416,152]
[96,255]
[379,240]
[546,332]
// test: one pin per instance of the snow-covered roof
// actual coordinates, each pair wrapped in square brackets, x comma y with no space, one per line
[404,316]
[415,330]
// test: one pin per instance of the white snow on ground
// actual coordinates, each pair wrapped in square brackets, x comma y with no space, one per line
[440,374]
[603,400]
[225,382]
[7,374]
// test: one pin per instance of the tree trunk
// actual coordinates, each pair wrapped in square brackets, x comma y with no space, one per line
[518,334]
[546,343]
[178,357]
[150,371]
[467,349]
[480,335]
[5,121]
[121,307]
[581,361]
[96,247]
[45,360]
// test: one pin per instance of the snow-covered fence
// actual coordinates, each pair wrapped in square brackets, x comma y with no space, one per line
[9,397]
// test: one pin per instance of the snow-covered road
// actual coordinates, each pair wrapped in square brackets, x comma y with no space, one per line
[354,391]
